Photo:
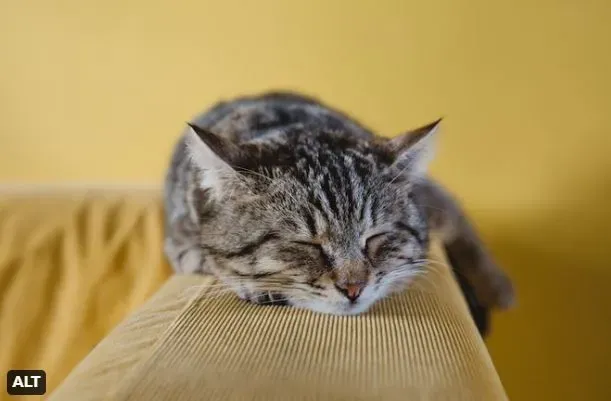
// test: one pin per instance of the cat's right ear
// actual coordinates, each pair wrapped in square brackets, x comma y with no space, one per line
[414,149]
[209,151]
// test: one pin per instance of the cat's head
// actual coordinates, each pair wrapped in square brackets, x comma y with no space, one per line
[326,220]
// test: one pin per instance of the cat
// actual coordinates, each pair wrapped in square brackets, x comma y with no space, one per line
[289,201]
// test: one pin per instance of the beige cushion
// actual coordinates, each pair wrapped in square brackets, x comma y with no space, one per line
[192,341]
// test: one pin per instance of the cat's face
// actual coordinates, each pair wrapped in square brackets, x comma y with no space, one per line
[318,221]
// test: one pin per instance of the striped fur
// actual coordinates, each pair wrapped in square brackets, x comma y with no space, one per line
[289,201]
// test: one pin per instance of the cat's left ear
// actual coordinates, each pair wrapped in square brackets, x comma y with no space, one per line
[413,150]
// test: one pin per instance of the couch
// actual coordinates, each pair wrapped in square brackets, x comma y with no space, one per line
[87,295]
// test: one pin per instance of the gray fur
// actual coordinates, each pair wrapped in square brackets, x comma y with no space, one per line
[289,201]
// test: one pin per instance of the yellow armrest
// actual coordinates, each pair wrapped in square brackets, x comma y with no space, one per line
[191,343]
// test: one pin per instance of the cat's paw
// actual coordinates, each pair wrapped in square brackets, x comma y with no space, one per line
[503,292]
[267,298]
[495,289]
[491,285]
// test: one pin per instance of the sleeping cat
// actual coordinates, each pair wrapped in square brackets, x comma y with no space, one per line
[290,202]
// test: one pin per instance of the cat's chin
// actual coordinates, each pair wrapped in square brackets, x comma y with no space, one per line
[335,309]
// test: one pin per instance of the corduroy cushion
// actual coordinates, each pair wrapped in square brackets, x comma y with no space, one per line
[195,342]
[73,264]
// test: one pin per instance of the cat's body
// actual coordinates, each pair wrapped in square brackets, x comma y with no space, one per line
[289,201]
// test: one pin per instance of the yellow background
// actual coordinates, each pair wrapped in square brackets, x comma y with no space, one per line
[97,91]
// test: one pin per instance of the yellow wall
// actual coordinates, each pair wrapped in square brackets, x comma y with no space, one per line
[98,90]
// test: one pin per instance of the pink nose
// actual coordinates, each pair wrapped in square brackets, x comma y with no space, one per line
[352,291]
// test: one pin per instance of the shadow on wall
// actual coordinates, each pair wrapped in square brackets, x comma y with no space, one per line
[556,344]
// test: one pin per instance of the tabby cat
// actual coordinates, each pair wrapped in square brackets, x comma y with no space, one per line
[291,202]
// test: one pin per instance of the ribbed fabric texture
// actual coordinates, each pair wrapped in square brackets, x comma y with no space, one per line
[74,263]
[205,345]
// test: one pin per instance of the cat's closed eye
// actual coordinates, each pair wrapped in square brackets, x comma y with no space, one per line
[319,248]
[373,245]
